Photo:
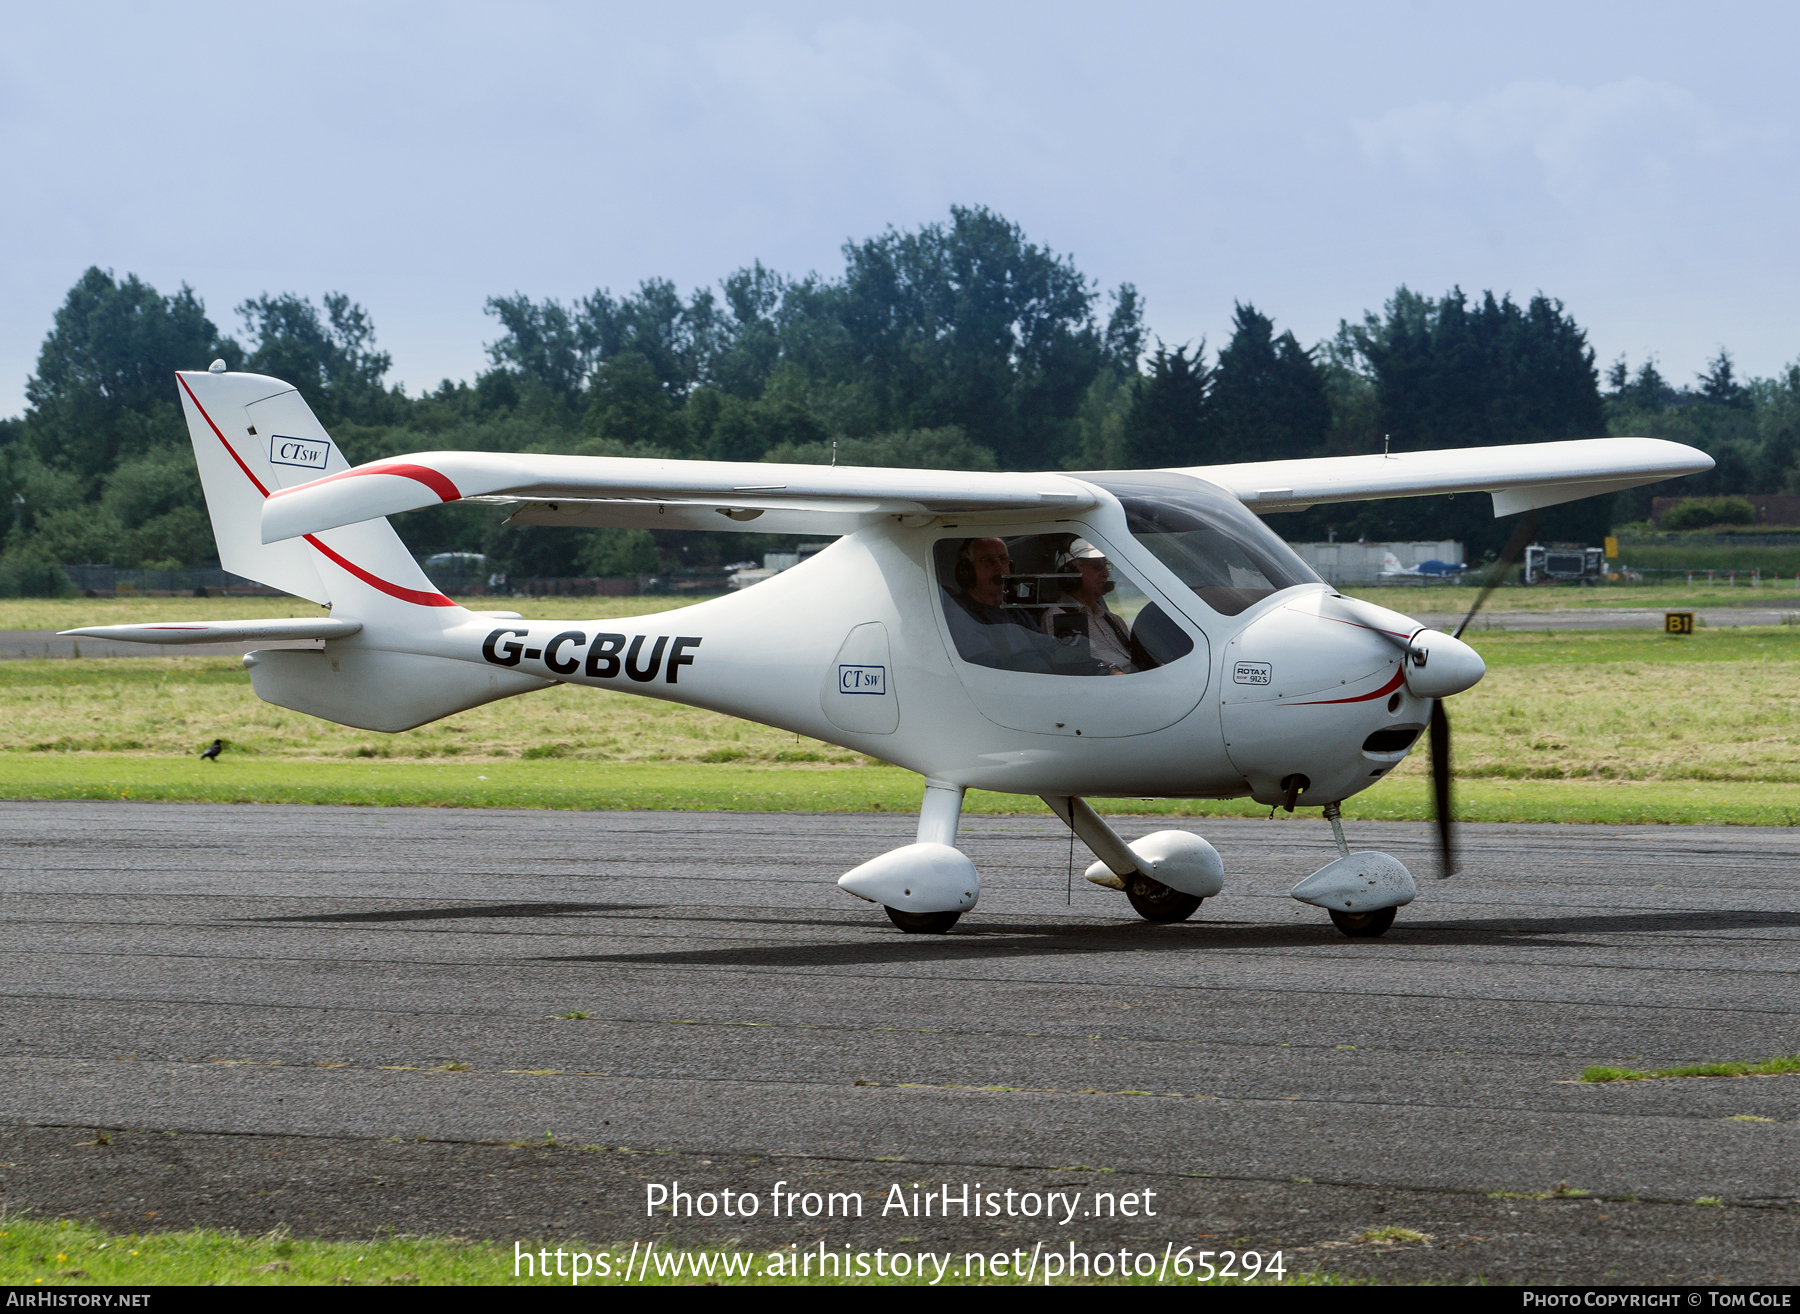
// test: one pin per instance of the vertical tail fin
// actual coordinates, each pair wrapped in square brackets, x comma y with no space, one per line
[253,435]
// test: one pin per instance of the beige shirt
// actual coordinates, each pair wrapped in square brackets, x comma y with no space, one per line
[1108,635]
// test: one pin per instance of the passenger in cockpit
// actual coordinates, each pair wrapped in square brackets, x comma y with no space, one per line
[1083,610]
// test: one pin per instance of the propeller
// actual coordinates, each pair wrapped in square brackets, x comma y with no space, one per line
[1522,535]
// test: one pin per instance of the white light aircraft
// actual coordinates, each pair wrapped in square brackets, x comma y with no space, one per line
[1391,565]
[1131,633]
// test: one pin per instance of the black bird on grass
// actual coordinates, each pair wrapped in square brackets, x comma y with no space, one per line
[211,754]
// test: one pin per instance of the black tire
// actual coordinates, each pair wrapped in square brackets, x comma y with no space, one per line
[922,923]
[1363,926]
[1156,902]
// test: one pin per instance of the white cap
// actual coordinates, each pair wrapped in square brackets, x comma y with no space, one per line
[1082,550]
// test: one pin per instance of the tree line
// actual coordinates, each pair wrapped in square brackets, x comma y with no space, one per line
[959,345]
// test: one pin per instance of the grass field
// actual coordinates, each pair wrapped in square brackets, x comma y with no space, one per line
[68,613]
[66,1253]
[1602,726]
[1677,555]
[684,787]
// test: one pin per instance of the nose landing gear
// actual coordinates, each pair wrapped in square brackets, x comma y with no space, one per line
[927,923]
[1361,891]
[1363,925]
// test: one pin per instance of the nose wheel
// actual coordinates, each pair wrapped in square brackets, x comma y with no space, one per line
[1363,926]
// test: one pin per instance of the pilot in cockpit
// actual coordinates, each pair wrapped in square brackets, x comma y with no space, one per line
[982,565]
[1083,609]
[987,632]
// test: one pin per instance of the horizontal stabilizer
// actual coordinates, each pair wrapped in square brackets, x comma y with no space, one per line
[250,631]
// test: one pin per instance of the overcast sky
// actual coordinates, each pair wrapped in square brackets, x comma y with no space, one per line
[1636,160]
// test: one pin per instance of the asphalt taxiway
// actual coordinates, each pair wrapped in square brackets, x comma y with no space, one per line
[507,1024]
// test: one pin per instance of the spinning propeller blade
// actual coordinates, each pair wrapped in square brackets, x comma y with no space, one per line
[1522,535]
[1440,789]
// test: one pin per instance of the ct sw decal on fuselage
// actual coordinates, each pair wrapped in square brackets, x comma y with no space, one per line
[608,655]
[862,679]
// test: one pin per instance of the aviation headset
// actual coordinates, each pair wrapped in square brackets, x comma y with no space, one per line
[965,562]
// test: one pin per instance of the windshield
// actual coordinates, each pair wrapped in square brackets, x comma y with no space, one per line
[1217,547]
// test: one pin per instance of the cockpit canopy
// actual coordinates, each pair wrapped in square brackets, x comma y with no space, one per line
[1054,604]
[1213,543]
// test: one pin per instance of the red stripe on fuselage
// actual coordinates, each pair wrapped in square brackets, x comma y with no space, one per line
[1388,688]
[1353,624]
[415,596]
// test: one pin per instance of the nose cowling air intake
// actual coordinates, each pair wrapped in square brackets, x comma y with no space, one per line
[1438,665]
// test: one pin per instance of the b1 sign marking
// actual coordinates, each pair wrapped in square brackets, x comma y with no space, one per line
[1252,673]
[862,679]
[298,451]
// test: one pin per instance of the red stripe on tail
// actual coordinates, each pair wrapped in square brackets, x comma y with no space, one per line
[415,596]
[424,474]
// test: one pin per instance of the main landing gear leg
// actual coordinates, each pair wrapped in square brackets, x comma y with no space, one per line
[929,883]
[940,813]
[939,816]
[1152,899]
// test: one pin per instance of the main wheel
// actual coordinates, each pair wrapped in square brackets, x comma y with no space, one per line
[1364,925]
[1156,902]
[922,923]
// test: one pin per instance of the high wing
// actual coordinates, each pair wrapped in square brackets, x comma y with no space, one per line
[1521,478]
[765,498]
[625,491]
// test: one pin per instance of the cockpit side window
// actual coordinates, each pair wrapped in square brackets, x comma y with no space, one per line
[1213,543]
[1051,604]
